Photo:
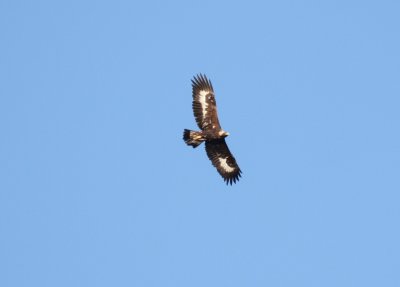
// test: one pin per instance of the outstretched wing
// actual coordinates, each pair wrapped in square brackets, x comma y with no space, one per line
[204,105]
[220,156]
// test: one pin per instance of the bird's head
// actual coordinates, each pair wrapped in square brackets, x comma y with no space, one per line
[223,133]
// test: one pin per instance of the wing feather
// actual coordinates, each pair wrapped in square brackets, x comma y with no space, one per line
[204,104]
[221,157]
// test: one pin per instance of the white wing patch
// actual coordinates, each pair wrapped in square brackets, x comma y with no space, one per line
[203,101]
[224,165]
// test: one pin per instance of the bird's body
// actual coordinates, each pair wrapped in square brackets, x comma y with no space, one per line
[205,112]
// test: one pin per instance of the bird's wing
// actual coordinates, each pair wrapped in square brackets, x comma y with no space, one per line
[220,156]
[204,105]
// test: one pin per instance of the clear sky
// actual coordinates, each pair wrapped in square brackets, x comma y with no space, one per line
[97,187]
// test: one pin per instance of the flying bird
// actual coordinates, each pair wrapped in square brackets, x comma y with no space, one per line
[205,113]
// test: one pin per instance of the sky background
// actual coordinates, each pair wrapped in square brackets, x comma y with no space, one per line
[98,189]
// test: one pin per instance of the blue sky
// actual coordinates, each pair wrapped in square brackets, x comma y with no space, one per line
[98,189]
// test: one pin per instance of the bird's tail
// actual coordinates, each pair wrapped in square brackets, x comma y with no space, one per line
[193,138]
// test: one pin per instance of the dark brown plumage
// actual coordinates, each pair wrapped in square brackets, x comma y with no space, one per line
[205,113]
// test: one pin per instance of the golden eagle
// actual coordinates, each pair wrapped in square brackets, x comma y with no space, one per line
[205,112]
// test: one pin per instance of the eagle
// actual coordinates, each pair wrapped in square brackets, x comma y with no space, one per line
[205,113]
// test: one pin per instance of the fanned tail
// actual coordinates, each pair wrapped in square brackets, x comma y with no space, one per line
[193,138]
